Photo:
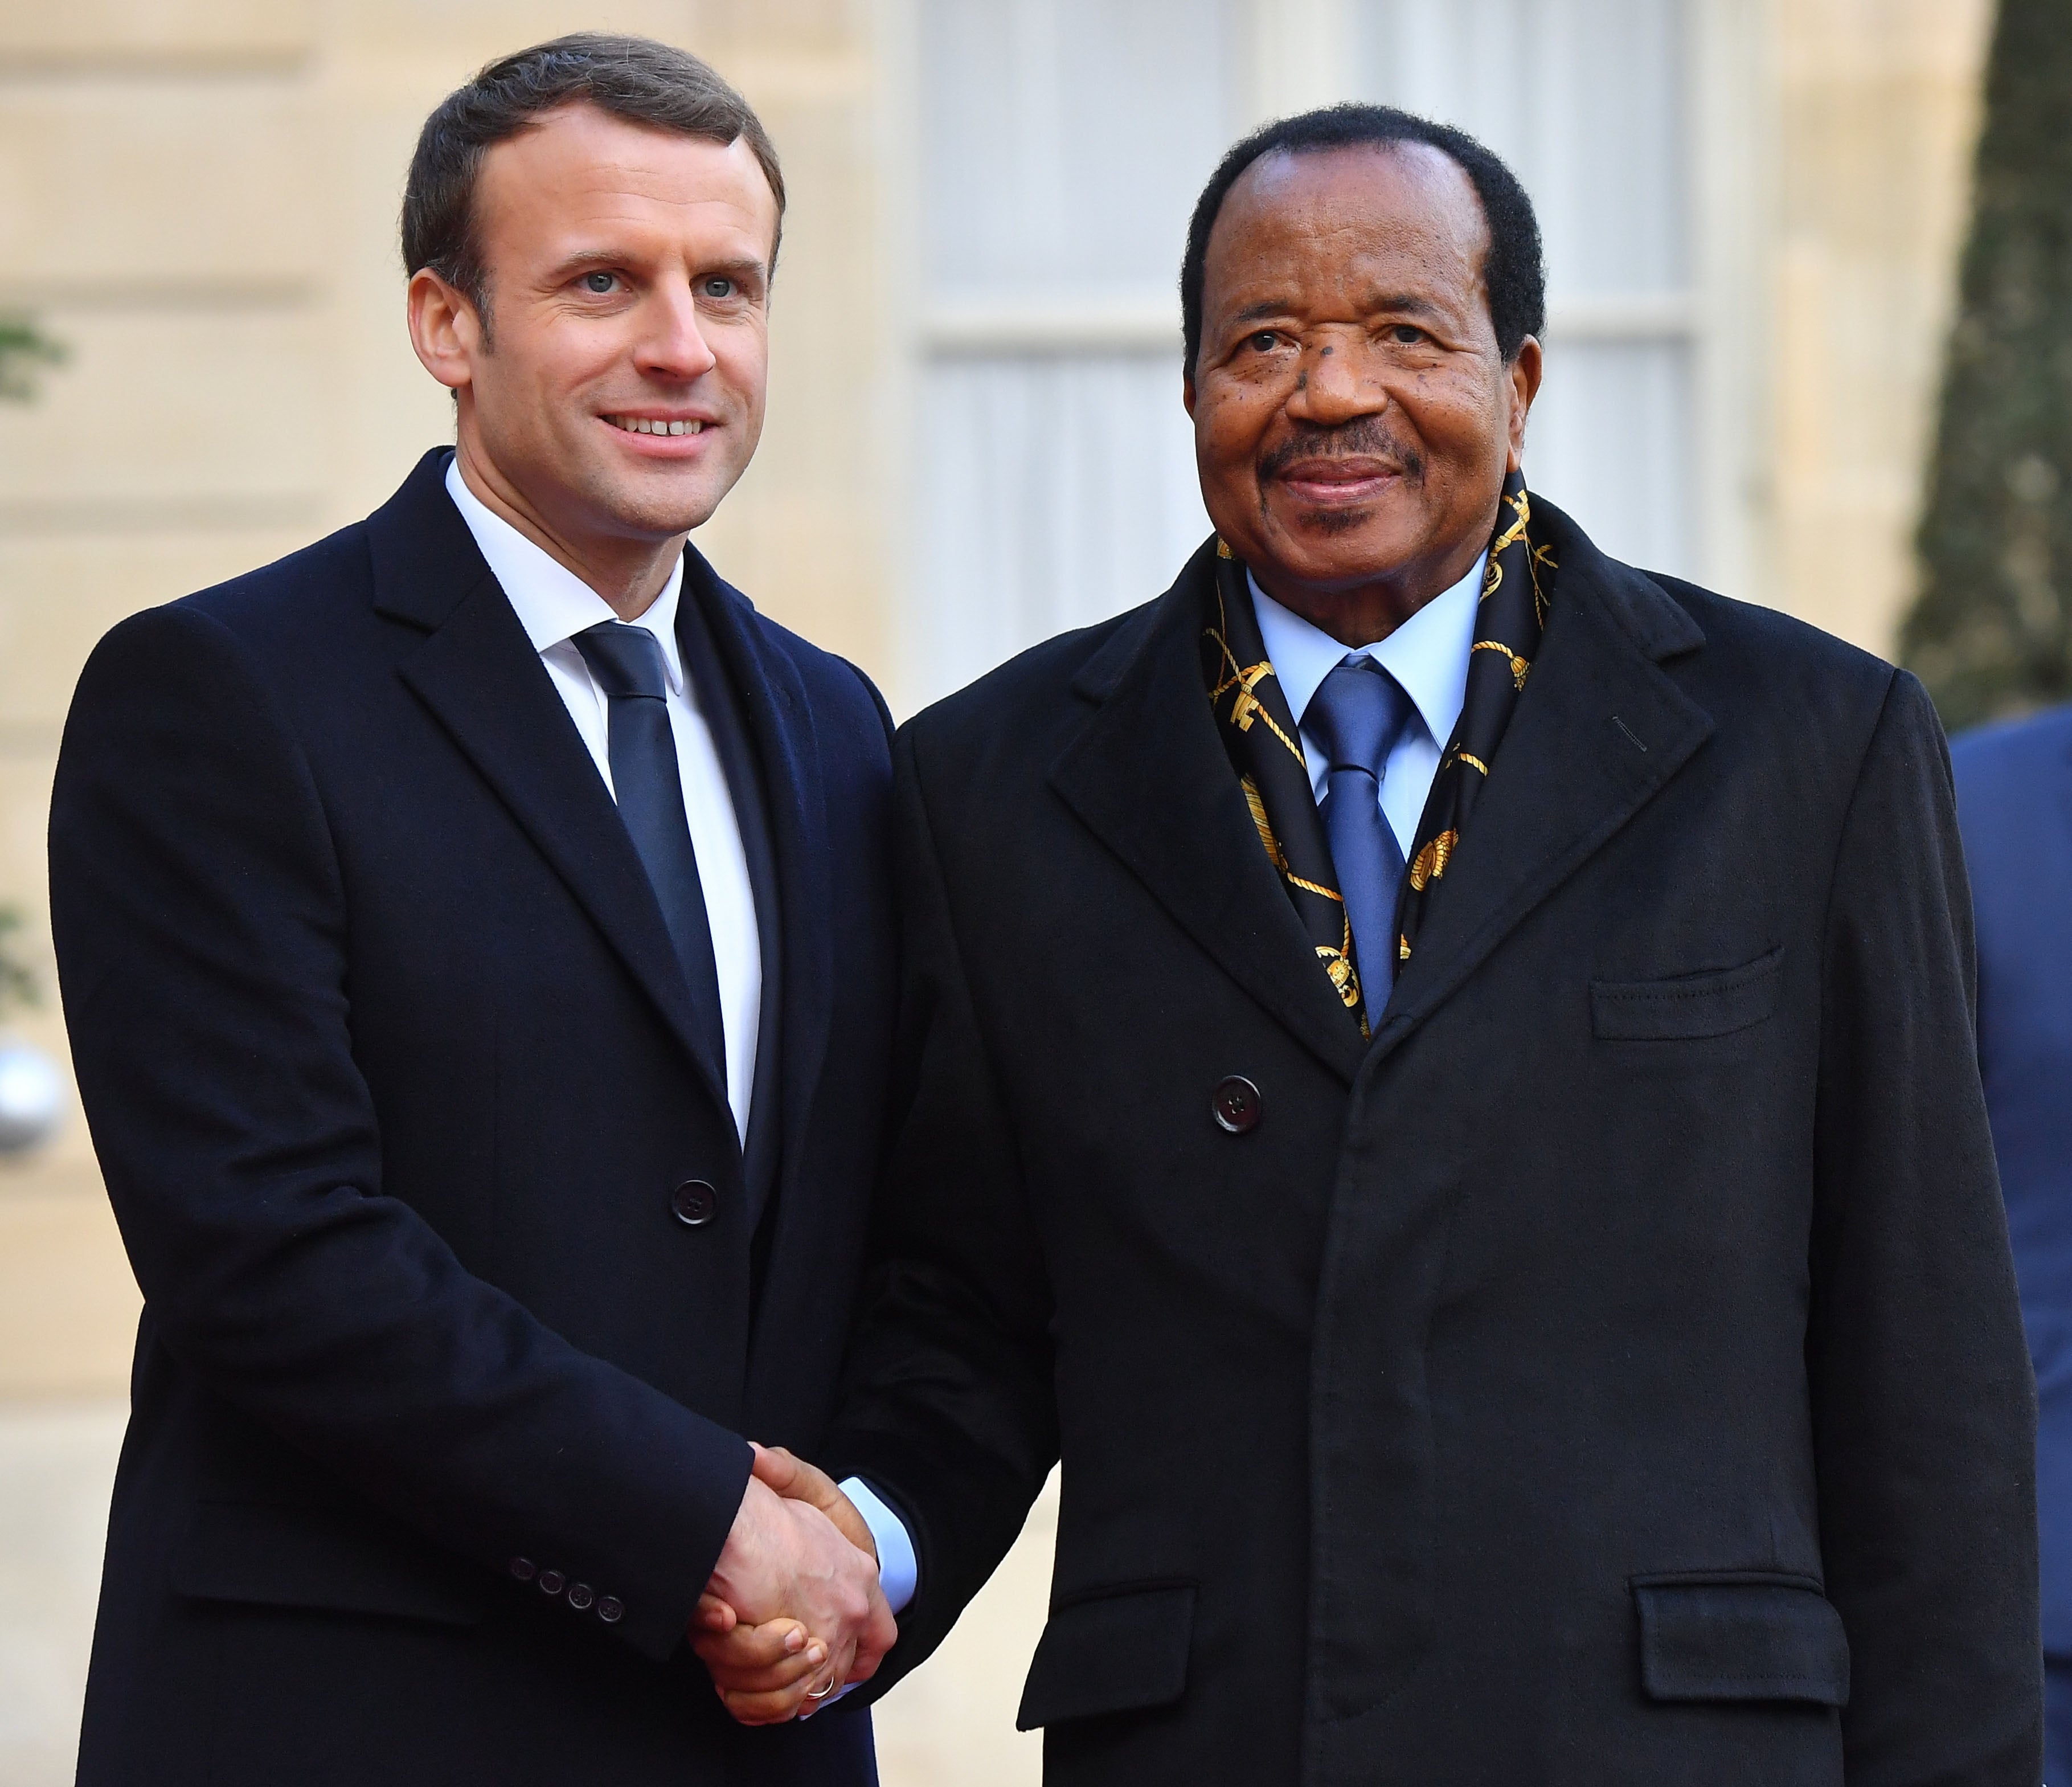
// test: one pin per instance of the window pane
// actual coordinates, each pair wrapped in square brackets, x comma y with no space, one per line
[1057,489]
[1064,140]
[1609,442]
[1583,98]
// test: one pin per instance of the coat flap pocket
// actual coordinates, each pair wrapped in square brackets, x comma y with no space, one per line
[267,1555]
[1114,1653]
[1689,1005]
[1741,1637]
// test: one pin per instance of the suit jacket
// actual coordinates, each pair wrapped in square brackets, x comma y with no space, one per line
[1611,1372]
[2014,798]
[394,1080]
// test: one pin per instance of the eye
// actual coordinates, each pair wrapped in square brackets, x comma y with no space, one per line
[1407,335]
[1264,342]
[600,283]
[717,285]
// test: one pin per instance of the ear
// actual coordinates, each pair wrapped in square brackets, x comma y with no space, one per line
[1523,381]
[445,329]
[1187,393]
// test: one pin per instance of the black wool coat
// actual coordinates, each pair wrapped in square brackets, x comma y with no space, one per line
[1611,1373]
[394,1080]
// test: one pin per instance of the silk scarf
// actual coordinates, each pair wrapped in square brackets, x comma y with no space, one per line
[1265,748]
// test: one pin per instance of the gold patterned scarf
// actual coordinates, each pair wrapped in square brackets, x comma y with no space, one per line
[1266,750]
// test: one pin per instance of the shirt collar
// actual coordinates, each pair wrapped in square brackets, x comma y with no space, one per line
[551,603]
[1427,654]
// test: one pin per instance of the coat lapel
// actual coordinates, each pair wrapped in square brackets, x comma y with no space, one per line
[1148,776]
[1600,730]
[479,674]
[773,707]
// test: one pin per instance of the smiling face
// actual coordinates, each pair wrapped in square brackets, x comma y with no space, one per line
[620,393]
[1354,418]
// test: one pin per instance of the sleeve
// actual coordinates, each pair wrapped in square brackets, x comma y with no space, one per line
[202,934]
[948,1411]
[1923,1407]
[899,1570]
[877,699]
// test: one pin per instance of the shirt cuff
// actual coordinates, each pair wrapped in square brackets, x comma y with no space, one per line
[898,1571]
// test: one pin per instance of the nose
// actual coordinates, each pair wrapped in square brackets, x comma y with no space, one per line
[1332,385]
[673,347]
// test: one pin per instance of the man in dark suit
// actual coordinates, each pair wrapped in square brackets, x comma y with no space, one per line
[476,934]
[2014,799]
[1436,1075]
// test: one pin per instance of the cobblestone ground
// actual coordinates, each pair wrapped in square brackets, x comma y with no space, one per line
[950,1724]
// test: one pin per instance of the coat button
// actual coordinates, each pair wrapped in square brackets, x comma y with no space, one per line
[551,1581]
[611,1609]
[695,1202]
[523,1569]
[1235,1103]
[581,1595]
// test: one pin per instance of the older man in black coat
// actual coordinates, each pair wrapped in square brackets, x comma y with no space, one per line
[1438,1077]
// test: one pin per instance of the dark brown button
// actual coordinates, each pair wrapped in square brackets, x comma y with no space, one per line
[551,1581]
[522,1569]
[611,1609]
[581,1595]
[1235,1103]
[695,1202]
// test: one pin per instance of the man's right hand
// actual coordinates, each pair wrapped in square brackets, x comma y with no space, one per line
[811,1595]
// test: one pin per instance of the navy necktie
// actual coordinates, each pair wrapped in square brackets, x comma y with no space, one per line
[627,663]
[1357,714]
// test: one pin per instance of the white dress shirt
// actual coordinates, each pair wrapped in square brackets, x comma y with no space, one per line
[1428,655]
[554,605]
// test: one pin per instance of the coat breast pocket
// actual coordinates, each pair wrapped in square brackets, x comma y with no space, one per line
[1687,1006]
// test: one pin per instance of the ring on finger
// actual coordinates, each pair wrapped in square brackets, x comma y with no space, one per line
[821,1694]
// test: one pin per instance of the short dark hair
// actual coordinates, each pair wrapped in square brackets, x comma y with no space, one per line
[633,78]
[1513,274]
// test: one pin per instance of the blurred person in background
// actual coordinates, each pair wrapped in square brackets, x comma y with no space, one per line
[2014,801]
[476,941]
[1437,1075]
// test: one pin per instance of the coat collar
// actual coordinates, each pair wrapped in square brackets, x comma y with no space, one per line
[1601,729]
[477,671]
[1148,775]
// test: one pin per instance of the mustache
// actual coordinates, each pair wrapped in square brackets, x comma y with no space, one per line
[1365,437]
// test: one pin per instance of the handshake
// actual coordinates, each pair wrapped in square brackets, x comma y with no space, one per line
[793,1611]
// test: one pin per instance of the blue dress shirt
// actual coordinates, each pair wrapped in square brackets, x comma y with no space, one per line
[1428,655]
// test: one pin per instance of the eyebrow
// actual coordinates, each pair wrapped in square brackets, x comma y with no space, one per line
[1402,303]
